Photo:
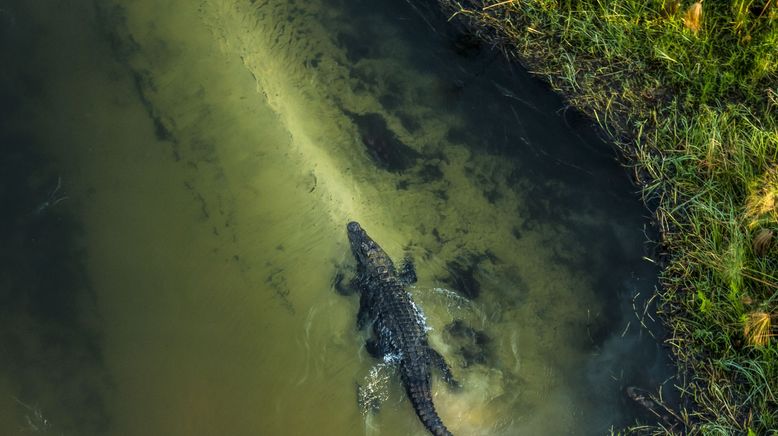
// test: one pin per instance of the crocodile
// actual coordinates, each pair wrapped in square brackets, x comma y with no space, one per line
[399,330]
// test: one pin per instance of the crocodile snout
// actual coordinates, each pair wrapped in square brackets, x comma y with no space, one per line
[353,226]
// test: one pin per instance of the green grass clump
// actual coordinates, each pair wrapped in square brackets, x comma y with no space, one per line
[689,91]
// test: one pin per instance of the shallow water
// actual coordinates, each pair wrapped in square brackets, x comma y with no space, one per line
[177,177]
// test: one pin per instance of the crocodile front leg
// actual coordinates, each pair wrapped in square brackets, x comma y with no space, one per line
[342,288]
[365,314]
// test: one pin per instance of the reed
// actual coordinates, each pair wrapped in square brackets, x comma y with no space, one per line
[689,92]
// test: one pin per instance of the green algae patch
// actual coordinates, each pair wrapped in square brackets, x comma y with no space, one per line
[688,92]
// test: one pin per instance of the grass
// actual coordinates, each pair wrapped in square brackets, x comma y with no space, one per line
[689,92]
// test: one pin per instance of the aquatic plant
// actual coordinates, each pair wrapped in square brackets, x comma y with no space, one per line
[688,91]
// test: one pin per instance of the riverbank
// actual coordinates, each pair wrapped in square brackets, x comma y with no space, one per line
[688,93]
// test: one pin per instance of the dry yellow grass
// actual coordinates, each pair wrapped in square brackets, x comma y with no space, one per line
[763,240]
[762,201]
[757,328]
[693,18]
[670,7]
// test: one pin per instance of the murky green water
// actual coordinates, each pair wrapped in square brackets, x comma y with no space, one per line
[176,180]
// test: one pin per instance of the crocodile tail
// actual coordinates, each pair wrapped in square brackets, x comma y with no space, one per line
[420,395]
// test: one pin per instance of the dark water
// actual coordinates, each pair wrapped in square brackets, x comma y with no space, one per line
[176,179]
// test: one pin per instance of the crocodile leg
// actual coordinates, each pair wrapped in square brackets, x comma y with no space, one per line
[340,287]
[407,272]
[374,348]
[364,314]
[445,370]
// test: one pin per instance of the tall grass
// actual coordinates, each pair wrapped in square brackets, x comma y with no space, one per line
[689,91]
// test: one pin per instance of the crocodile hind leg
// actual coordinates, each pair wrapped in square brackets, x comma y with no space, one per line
[407,272]
[380,348]
[445,370]
[364,314]
[373,348]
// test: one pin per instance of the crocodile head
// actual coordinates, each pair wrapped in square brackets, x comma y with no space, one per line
[367,252]
[362,245]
